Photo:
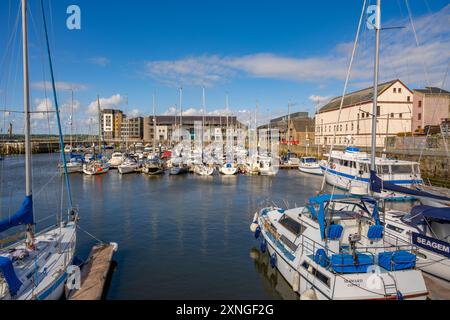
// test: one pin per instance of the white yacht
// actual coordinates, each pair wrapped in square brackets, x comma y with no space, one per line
[265,167]
[95,168]
[334,248]
[428,228]
[128,166]
[350,171]
[228,169]
[310,165]
[117,159]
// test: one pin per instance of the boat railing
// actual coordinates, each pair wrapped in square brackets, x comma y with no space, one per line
[311,247]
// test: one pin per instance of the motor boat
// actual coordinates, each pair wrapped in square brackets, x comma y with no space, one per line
[310,165]
[334,248]
[228,169]
[116,160]
[128,166]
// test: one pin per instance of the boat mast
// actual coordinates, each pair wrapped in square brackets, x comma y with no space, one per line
[71,124]
[99,111]
[375,85]
[203,127]
[26,102]
[181,113]
[154,124]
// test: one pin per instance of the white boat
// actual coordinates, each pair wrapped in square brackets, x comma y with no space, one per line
[36,268]
[74,166]
[204,170]
[228,169]
[265,167]
[128,166]
[350,171]
[427,228]
[68,149]
[310,165]
[117,159]
[329,250]
[95,168]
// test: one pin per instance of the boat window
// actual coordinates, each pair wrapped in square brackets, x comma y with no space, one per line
[394,228]
[293,226]
[383,169]
[364,167]
[401,169]
[319,275]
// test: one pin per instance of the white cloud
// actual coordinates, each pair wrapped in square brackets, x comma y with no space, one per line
[134,113]
[42,107]
[100,61]
[46,85]
[318,100]
[112,102]
[400,58]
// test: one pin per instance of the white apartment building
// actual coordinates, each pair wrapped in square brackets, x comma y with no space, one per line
[395,105]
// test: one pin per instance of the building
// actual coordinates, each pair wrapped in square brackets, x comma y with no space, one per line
[431,108]
[295,129]
[166,125]
[395,104]
[132,129]
[111,124]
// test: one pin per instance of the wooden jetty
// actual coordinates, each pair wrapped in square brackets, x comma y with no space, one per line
[439,289]
[94,273]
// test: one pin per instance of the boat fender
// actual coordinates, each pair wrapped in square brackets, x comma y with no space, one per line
[257,232]
[263,246]
[114,245]
[296,284]
[309,294]
[399,296]
[273,261]
[282,211]
[253,227]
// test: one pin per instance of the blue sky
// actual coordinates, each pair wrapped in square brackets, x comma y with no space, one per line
[270,51]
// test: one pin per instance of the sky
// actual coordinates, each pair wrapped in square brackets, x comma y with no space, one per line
[269,53]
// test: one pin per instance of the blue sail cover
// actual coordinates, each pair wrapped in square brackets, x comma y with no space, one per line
[432,213]
[22,217]
[378,185]
[321,200]
[7,269]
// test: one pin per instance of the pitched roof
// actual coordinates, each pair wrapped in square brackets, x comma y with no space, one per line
[432,90]
[364,95]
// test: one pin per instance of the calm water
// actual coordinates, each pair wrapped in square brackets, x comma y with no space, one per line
[180,237]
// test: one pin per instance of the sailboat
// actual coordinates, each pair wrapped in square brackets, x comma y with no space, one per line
[334,247]
[75,164]
[178,165]
[229,168]
[154,166]
[36,268]
[98,166]
[203,169]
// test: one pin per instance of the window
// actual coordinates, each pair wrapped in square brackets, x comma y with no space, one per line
[399,90]
[420,104]
[353,126]
[346,127]
[419,116]
[394,228]
[383,169]
[401,169]
[409,99]
[363,115]
[392,115]
[293,226]
[395,90]
[378,111]
[367,115]
[400,115]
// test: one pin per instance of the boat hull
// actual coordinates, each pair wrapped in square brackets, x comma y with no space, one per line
[314,170]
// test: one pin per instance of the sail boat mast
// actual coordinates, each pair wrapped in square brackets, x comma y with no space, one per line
[99,126]
[154,124]
[375,85]
[26,101]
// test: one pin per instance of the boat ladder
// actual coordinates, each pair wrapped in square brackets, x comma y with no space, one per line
[390,289]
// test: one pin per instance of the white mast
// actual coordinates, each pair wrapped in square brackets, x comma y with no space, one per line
[203,127]
[181,112]
[375,85]
[71,123]
[154,124]
[26,101]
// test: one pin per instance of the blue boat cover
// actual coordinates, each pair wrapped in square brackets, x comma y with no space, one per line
[22,217]
[344,263]
[335,232]
[375,232]
[6,267]
[378,185]
[395,261]
[432,213]
[352,150]
[321,258]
